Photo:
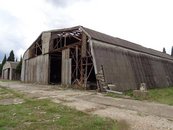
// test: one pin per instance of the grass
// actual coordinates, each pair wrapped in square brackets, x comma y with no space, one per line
[46,115]
[6,93]
[160,95]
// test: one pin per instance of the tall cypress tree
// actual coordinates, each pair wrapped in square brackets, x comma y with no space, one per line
[164,50]
[11,56]
[172,51]
[3,62]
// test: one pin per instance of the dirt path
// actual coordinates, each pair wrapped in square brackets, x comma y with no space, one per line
[138,115]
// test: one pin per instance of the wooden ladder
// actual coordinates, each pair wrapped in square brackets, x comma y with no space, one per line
[101,82]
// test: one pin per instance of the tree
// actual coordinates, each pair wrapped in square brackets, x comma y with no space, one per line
[2,64]
[164,50]
[19,66]
[0,70]
[172,51]
[11,56]
[4,60]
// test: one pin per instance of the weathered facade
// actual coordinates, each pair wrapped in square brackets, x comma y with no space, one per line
[9,71]
[81,56]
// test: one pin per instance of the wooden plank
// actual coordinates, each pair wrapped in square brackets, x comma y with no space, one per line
[66,67]
[84,45]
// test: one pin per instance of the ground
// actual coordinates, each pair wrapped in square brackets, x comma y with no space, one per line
[43,114]
[133,114]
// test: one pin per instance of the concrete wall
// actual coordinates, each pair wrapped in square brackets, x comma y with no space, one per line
[5,74]
[127,69]
[66,67]
[36,69]
[45,42]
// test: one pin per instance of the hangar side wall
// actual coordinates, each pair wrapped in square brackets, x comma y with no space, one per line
[36,69]
[127,68]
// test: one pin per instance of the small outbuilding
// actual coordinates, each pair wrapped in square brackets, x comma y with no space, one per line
[9,71]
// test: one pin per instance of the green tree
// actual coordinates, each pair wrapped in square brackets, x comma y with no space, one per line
[19,66]
[2,64]
[172,51]
[11,56]
[0,70]
[164,50]
[4,60]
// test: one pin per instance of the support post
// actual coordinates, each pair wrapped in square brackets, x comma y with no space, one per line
[77,62]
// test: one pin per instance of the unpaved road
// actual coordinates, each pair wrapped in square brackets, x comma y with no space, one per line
[139,115]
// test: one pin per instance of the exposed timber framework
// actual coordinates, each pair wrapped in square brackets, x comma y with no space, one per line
[94,60]
[72,47]
[36,49]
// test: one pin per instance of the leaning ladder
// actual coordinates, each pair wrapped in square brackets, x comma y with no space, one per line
[101,82]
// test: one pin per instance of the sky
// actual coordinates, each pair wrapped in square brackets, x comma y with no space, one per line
[145,22]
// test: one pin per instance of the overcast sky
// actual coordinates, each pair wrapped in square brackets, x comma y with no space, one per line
[145,22]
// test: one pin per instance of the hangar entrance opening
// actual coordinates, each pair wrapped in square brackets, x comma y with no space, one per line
[71,61]
[55,68]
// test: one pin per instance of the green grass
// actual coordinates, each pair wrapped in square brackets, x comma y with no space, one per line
[164,95]
[161,95]
[6,93]
[46,115]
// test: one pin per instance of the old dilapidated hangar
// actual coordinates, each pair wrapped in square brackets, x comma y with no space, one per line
[82,56]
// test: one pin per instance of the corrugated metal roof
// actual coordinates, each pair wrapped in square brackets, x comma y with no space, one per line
[115,41]
[123,43]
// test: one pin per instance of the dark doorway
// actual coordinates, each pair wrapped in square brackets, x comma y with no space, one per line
[92,84]
[55,68]
[8,75]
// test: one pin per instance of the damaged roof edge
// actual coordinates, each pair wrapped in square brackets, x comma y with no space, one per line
[55,30]
[63,29]
[92,34]
[124,43]
[32,43]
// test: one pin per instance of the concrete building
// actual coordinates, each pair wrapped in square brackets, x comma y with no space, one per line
[8,71]
[88,58]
